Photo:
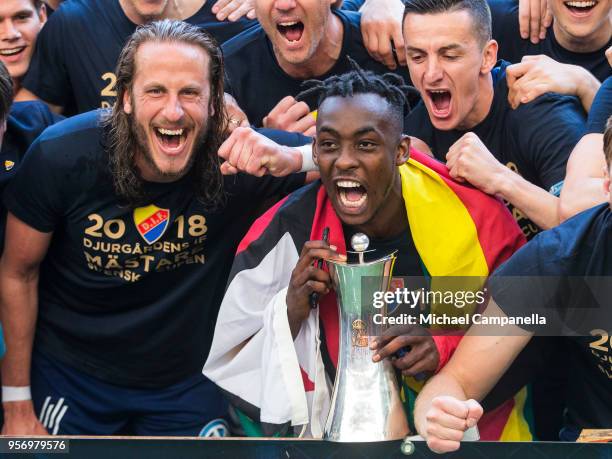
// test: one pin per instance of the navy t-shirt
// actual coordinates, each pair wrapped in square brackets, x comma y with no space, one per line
[535,140]
[25,122]
[77,51]
[565,275]
[512,47]
[129,295]
[258,83]
[601,108]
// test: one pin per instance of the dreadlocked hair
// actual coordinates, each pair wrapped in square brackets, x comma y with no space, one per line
[389,86]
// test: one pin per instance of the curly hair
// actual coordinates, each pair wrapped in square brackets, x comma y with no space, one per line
[389,86]
[123,144]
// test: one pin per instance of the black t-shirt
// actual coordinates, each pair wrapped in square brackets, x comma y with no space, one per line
[534,140]
[77,51]
[601,108]
[512,47]
[258,83]
[128,295]
[25,122]
[565,274]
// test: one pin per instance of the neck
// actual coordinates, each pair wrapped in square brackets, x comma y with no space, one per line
[594,42]
[325,56]
[16,86]
[482,107]
[391,220]
[175,9]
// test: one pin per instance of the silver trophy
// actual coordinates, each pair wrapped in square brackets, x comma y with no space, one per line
[366,405]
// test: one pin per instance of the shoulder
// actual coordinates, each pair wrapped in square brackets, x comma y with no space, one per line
[293,215]
[601,108]
[65,144]
[32,115]
[75,10]
[27,120]
[554,251]
[244,43]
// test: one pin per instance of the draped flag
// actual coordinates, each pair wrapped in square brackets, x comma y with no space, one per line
[457,230]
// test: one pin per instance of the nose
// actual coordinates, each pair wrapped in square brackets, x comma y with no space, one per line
[433,71]
[284,5]
[173,109]
[8,31]
[347,159]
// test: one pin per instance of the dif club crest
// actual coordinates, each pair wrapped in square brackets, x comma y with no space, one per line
[151,222]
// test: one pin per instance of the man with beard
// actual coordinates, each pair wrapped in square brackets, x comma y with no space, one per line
[137,228]
[295,41]
[73,65]
[276,354]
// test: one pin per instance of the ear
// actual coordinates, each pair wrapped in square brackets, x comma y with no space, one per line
[489,57]
[606,182]
[42,14]
[403,150]
[315,154]
[127,103]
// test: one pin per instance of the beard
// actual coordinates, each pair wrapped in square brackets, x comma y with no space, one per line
[141,143]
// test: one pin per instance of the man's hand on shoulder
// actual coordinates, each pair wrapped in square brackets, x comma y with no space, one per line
[20,419]
[246,150]
[535,16]
[381,28]
[232,10]
[446,421]
[421,353]
[291,116]
[536,75]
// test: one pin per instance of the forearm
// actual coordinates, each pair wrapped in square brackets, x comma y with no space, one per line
[534,202]
[443,383]
[583,186]
[19,307]
[586,87]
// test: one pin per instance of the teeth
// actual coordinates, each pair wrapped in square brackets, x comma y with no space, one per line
[352,204]
[288,24]
[170,132]
[348,184]
[581,4]
[10,52]
[438,91]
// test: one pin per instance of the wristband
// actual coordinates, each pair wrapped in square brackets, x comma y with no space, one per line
[307,161]
[16,393]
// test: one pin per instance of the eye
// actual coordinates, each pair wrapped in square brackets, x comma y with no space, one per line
[154,91]
[327,145]
[416,58]
[191,92]
[451,57]
[23,16]
[367,145]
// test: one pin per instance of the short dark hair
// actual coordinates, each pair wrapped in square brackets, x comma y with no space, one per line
[6,92]
[607,142]
[389,86]
[478,9]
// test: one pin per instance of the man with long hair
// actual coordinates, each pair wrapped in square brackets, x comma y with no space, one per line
[137,228]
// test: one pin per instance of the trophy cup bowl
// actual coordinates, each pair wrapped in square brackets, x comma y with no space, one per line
[365,405]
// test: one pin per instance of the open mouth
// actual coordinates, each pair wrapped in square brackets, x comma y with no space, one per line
[580,7]
[440,102]
[292,30]
[352,195]
[12,52]
[171,140]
